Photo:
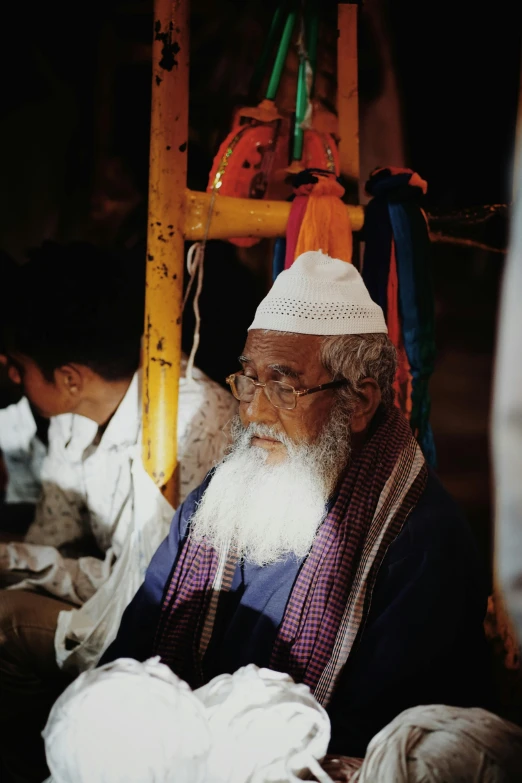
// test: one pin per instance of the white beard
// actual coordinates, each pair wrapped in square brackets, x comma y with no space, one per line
[271,512]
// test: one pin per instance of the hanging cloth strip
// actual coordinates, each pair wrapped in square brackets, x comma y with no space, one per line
[397,273]
[326,225]
[278,257]
[318,219]
[295,220]
[403,383]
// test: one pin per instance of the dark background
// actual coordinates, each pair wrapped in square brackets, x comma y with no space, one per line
[75,94]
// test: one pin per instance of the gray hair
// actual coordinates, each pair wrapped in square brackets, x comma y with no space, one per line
[358,356]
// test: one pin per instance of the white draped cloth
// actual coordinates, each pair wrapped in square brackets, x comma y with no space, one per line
[130,722]
[440,744]
[264,727]
[506,429]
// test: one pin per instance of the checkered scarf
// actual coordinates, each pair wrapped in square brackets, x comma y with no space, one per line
[332,593]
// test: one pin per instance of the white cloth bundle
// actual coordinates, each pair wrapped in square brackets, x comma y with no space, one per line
[439,744]
[264,727]
[128,722]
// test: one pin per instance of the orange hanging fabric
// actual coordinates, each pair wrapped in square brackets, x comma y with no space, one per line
[326,225]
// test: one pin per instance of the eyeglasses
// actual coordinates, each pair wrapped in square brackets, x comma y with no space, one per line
[280,394]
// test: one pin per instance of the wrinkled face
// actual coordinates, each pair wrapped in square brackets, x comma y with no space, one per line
[293,359]
[47,397]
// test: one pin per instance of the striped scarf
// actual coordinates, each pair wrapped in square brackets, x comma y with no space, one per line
[331,596]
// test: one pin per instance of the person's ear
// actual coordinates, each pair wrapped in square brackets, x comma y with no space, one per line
[69,379]
[13,373]
[369,399]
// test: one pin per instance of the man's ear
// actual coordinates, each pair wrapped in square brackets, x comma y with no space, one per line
[70,380]
[369,399]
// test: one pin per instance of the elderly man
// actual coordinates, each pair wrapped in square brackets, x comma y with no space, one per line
[321,546]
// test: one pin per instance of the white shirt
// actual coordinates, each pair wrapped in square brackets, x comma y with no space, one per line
[98,495]
[22,451]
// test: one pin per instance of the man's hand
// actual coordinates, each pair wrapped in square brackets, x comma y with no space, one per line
[341,768]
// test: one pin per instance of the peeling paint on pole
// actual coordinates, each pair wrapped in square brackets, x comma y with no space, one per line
[170,49]
[165,243]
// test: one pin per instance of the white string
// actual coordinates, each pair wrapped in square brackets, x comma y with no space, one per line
[196,266]
[191,270]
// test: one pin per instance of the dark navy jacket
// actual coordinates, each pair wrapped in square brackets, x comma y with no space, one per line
[423,641]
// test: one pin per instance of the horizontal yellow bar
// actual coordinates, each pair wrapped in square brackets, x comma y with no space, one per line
[243,217]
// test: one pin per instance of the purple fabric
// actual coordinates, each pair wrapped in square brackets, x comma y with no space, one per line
[307,634]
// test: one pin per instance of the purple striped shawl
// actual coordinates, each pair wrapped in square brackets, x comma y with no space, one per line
[332,593]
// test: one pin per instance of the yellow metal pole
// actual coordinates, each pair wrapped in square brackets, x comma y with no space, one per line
[242,217]
[348,97]
[163,300]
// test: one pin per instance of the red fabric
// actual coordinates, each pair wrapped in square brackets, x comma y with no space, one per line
[297,211]
[403,378]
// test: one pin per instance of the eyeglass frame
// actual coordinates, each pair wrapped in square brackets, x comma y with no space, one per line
[231,380]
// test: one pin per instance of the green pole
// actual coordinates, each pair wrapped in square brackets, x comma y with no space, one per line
[300,110]
[281,56]
[259,72]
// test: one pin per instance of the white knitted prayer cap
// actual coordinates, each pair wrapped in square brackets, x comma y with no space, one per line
[319,295]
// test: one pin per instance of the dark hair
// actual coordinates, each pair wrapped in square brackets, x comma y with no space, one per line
[78,303]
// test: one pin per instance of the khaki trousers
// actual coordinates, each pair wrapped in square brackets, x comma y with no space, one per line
[30,682]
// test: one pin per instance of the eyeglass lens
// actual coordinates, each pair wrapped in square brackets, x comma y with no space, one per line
[279,394]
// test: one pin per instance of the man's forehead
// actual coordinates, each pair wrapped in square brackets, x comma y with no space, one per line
[299,351]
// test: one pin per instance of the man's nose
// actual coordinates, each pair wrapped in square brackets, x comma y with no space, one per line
[259,410]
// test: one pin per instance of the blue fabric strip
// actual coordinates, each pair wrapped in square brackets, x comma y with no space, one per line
[278,259]
[410,270]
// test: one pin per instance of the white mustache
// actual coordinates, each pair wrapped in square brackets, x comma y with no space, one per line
[265,431]
[260,430]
